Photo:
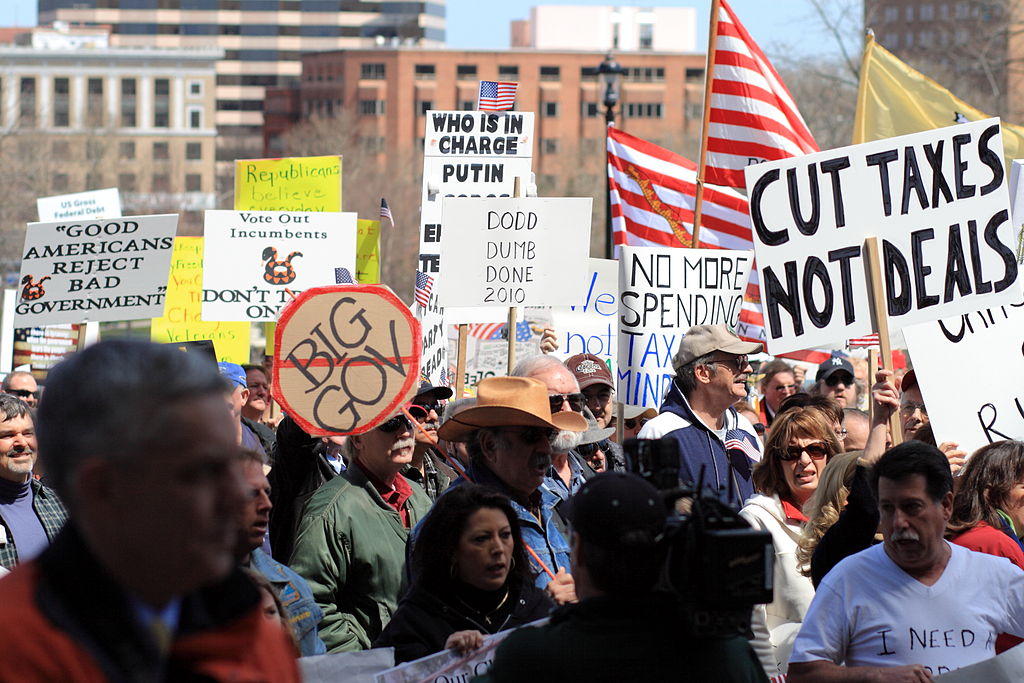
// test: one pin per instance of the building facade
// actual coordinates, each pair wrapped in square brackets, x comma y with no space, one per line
[605,27]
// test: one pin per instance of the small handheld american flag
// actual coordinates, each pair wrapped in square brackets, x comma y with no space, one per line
[342,276]
[385,212]
[497,95]
[424,283]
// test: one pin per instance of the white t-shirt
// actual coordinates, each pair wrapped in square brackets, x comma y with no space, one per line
[869,612]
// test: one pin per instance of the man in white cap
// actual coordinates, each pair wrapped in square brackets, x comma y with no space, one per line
[716,444]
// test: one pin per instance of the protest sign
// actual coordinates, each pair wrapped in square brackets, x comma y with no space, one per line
[1003,668]
[288,184]
[975,413]
[80,205]
[935,200]
[487,345]
[515,252]
[346,358]
[351,667]
[108,269]
[367,252]
[435,342]
[590,325]
[662,293]
[256,260]
[182,322]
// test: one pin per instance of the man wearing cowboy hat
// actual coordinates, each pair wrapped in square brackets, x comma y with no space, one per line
[510,431]
[715,443]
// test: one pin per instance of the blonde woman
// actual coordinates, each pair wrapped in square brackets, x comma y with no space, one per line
[823,507]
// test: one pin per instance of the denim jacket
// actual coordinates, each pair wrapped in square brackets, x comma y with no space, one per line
[303,613]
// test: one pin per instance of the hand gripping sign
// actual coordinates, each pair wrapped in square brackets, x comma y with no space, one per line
[346,358]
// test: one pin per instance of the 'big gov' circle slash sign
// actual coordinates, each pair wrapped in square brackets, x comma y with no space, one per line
[346,357]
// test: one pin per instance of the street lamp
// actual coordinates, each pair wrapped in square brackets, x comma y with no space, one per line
[610,72]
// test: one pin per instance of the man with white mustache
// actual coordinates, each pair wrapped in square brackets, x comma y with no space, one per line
[915,606]
[350,544]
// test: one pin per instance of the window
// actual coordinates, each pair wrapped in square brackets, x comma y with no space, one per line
[61,150]
[126,182]
[193,182]
[195,88]
[373,144]
[910,12]
[424,72]
[590,110]
[95,150]
[695,111]
[128,103]
[60,182]
[648,74]
[195,117]
[908,40]
[193,151]
[943,11]
[643,110]
[95,110]
[551,109]
[465,71]
[371,107]
[372,71]
[423,106]
[589,146]
[467,105]
[93,180]
[549,146]
[161,182]
[61,103]
[588,73]
[694,75]
[161,150]
[126,150]
[645,37]
[892,14]
[508,71]
[550,73]
[161,103]
[927,12]
[27,103]
[962,10]
[925,38]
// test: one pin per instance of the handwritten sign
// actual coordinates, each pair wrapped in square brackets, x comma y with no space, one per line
[255,258]
[108,269]
[936,200]
[367,252]
[346,357]
[976,413]
[662,293]
[288,184]
[182,322]
[515,252]
[435,342]
[80,205]
[591,324]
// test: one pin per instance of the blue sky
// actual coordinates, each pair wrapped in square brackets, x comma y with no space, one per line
[781,27]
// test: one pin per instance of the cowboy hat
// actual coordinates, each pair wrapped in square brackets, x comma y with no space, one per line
[509,402]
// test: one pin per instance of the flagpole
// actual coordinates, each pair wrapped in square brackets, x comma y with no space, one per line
[709,77]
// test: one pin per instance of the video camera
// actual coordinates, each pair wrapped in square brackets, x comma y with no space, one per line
[717,564]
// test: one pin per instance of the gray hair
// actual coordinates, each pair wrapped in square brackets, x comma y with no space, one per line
[116,400]
[686,374]
[11,407]
[6,385]
[451,408]
[537,364]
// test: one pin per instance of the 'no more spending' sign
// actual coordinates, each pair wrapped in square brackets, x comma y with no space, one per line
[936,201]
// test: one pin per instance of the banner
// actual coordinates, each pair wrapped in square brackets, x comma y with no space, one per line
[256,261]
[515,252]
[367,252]
[663,292]
[288,184]
[936,201]
[182,321]
[974,413]
[82,205]
[346,357]
[589,325]
[111,269]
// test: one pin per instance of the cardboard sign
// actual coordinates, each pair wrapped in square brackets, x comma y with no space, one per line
[367,252]
[435,342]
[288,184]
[937,202]
[80,205]
[590,325]
[979,412]
[253,257]
[662,293]
[182,320]
[346,358]
[108,269]
[515,252]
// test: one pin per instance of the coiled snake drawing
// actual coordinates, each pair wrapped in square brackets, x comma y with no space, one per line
[278,272]
[33,290]
[647,188]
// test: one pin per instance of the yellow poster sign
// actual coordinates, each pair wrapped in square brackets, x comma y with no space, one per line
[288,184]
[367,252]
[181,319]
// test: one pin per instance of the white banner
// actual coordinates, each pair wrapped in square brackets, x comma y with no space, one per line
[109,269]
[936,201]
[253,259]
[590,325]
[973,413]
[662,293]
[80,205]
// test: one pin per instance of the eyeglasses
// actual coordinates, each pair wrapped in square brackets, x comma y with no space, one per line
[436,406]
[837,377]
[23,393]
[786,388]
[737,364]
[635,422]
[908,408]
[401,422]
[534,435]
[841,432]
[575,401]
[588,449]
[816,450]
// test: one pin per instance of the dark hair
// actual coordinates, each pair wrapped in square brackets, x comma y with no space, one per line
[925,434]
[686,374]
[433,554]
[984,485]
[794,423]
[11,407]
[829,406]
[915,457]
[249,366]
[630,567]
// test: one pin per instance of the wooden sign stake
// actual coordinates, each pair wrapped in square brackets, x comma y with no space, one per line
[460,362]
[882,323]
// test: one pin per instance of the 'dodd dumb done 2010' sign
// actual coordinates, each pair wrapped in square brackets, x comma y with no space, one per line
[937,203]
[346,357]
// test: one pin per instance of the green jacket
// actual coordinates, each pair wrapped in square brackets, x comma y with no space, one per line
[350,547]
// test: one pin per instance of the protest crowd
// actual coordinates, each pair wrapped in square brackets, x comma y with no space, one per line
[757,446]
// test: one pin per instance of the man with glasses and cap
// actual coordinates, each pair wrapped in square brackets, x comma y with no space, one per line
[350,544]
[835,380]
[716,444]
[427,467]
[23,385]
[511,430]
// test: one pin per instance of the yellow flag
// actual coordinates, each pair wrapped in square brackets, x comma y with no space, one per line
[894,99]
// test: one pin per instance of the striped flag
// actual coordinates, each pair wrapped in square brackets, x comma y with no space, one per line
[385,212]
[424,283]
[485,330]
[653,192]
[496,95]
[753,116]
[342,276]
[865,341]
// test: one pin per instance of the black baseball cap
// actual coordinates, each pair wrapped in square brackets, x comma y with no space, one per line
[613,504]
[438,393]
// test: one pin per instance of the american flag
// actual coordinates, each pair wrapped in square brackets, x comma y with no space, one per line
[485,330]
[497,95]
[342,276]
[866,340]
[734,441]
[424,283]
[753,116]
[653,192]
[385,212]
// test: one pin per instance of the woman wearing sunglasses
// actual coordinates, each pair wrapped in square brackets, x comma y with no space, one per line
[799,445]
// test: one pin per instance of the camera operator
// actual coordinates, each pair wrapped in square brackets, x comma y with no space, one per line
[622,626]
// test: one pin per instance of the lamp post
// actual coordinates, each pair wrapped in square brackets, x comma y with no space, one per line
[610,72]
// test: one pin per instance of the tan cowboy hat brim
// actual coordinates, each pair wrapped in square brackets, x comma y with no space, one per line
[463,424]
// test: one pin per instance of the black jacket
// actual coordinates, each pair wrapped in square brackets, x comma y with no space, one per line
[423,621]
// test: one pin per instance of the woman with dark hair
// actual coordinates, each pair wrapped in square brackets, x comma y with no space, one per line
[471,577]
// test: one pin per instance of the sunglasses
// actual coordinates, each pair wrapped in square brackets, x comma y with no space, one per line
[436,406]
[401,422]
[576,401]
[738,363]
[23,393]
[837,377]
[534,435]
[816,450]
[588,449]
